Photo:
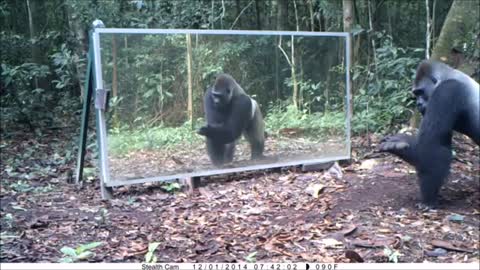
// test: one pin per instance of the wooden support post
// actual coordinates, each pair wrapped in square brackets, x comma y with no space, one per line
[192,183]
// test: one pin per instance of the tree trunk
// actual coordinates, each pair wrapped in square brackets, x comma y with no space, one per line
[297,24]
[282,24]
[36,22]
[258,13]
[81,48]
[321,21]
[190,85]
[348,17]
[294,73]
[291,62]
[310,12]
[461,19]
[433,21]
[239,13]
[370,35]
[116,122]
[427,31]
[282,15]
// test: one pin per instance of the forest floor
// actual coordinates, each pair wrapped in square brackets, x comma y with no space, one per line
[364,214]
[192,157]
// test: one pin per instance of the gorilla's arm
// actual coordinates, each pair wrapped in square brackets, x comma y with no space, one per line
[234,124]
[402,145]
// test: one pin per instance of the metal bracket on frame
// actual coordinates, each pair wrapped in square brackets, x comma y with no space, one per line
[101,98]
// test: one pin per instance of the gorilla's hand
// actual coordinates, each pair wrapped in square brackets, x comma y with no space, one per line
[402,145]
[204,131]
[213,131]
[396,142]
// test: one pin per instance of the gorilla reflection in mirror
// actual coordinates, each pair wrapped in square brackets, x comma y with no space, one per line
[230,112]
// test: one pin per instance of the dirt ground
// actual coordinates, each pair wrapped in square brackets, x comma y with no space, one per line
[266,216]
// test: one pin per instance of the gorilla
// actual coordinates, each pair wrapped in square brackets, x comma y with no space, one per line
[448,100]
[230,112]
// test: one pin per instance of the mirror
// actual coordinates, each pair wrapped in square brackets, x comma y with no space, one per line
[156,85]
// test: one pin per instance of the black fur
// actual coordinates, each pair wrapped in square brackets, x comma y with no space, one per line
[448,105]
[228,112]
[401,145]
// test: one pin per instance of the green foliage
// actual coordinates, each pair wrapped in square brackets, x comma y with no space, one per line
[8,218]
[392,255]
[470,43]
[172,187]
[6,236]
[16,45]
[78,254]
[312,93]
[23,102]
[252,257]
[66,64]
[21,186]
[287,116]
[23,74]
[53,52]
[383,99]
[150,256]
[103,216]
[155,92]
[281,116]
[131,200]
[122,141]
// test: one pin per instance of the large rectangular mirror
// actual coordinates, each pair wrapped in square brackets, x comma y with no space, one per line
[157,79]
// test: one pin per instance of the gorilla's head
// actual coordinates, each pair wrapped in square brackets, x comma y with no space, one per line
[424,85]
[223,90]
[421,100]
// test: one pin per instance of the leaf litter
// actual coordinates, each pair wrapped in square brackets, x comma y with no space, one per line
[353,213]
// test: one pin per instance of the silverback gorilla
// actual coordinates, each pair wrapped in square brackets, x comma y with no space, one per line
[448,100]
[229,112]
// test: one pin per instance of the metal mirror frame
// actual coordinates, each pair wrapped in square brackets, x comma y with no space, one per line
[100,95]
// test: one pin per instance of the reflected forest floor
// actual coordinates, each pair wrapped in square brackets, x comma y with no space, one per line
[264,216]
[192,157]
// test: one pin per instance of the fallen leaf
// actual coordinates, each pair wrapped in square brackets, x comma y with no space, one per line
[254,210]
[450,246]
[332,243]
[436,252]
[353,256]
[373,243]
[417,223]
[315,190]
[368,164]
[351,229]
[336,171]
[393,174]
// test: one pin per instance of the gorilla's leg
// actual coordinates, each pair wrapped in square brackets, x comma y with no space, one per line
[432,170]
[255,135]
[434,145]
[229,152]
[216,152]
[256,145]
